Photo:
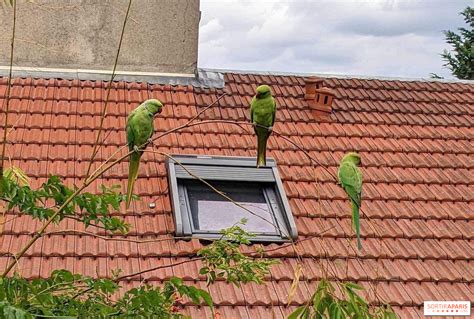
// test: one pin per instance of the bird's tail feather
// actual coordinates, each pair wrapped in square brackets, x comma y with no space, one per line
[356,223]
[132,175]
[261,149]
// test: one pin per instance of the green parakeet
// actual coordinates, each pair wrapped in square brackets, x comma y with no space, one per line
[139,131]
[350,179]
[262,112]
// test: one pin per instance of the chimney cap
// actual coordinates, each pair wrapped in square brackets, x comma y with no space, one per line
[313,79]
[326,90]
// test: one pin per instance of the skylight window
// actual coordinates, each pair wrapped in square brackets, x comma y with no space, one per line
[257,195]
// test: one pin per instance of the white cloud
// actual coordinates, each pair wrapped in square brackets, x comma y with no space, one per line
[208,30]
[378,37]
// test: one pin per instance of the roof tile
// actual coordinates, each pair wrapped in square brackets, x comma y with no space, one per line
[414,137]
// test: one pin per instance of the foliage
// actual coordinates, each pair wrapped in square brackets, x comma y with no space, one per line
[13,174]
[41,203]
[461,60]
[223,259]
[153,302]
[326,304]
[17,175]
[58,296]
[70,295]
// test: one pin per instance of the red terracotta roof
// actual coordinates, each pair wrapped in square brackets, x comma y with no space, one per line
[415,138]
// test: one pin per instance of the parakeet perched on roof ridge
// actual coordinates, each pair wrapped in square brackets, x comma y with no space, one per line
[262,112]
[139,131]
[350,178]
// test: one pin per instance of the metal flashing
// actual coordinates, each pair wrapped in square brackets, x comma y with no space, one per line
[203,78]
[335,75]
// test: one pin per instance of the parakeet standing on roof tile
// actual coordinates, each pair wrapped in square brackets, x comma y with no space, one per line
[350,179]
[262,115]
[139,131]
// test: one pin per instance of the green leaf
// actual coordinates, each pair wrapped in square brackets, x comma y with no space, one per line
[11,312]
[15,173]
[206,297]
[335,311]
[176,281]
[204,271]
[297,313]
[352,285]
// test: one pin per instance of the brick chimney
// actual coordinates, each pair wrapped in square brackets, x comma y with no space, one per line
[318,97]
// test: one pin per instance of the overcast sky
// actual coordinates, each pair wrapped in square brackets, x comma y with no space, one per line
[378,37]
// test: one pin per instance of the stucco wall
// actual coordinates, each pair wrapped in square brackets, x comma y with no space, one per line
[160,36]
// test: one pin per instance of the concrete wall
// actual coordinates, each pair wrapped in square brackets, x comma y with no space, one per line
[160,35]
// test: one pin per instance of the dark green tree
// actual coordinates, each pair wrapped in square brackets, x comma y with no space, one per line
[461,59]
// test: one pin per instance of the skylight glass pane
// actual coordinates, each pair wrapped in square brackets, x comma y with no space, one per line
[211,212]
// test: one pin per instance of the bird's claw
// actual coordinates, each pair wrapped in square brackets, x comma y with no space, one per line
[254,124]
[135,148]
[150,141]
[270,129]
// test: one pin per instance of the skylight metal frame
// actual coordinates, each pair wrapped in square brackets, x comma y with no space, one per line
[228,169]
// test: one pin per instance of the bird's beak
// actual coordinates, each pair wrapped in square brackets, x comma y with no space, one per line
[160,110]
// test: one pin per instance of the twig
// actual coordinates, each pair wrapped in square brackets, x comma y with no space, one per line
[9,220]
[144,241]
[81,221]
[158,267]
[14,125]
[9,85]
[109,87]
[49,288]
[141,272]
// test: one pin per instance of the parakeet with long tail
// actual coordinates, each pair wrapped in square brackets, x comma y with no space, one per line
[350,178]
[262,116]
[139,131]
